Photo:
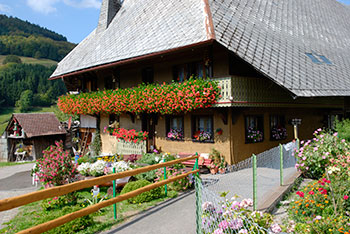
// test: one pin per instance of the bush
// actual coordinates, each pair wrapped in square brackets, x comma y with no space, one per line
[314,155]
[56,166]
[143,197]
[69,199]
[343,129]
[26,101]
[149,175]
[12,59]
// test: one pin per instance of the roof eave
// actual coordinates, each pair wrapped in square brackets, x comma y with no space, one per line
[134,59]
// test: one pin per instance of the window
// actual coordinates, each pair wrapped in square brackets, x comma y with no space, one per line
[147,75]
[202,128]
[175,128]
[254,129]
[319,59]
[113,81]
[278,129]
[183,72]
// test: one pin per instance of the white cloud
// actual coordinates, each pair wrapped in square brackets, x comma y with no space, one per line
[48,6]
[4,8]
[42,6]
[83,3]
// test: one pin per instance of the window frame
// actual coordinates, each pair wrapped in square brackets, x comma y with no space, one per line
[168,120]
[194,120]
[259,119]
[188,69]
[281,120]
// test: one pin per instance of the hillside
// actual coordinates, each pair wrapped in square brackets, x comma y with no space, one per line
[22,38]
[34,61]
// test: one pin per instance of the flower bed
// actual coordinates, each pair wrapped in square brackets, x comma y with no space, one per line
[152,98]
[101,167]
[129,135]
[323,206]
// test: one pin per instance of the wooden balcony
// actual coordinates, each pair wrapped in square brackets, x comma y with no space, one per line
[226,92]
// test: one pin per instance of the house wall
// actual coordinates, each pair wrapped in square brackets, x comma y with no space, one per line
[311,120]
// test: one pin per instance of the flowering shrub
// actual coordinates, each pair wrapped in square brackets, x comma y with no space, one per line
[101,167]
[254,135]
[176,170]
[278,133]
[175,134]
[314,156]
[232,216]
[151,98]
[202,135]
[129,135]
[55,167]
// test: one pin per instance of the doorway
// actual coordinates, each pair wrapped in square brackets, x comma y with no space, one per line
[149,125]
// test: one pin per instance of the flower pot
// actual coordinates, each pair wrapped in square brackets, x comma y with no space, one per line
[214,170]
[222,170]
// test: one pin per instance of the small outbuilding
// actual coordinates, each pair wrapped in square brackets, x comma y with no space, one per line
[28,134]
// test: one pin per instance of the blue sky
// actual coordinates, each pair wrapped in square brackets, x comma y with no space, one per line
[74,19]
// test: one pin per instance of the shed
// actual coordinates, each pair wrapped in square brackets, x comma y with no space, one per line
[29,134]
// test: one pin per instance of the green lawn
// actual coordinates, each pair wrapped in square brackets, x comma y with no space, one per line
[29,60]
[5,114]
[6,164]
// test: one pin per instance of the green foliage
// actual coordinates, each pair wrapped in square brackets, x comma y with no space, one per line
[97,143]
[55,203]
[343,129]
[175,170]
[16,78]
[314,155]
[149,159]
[26,101]
[14,26]
[12,59]
[143,197]
[86,159]
[149,175]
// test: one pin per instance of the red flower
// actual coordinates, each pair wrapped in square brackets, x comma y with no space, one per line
[346,197]
[301,194]
[312,192]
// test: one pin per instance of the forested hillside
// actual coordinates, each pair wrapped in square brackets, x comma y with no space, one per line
[22,38]
[17,78]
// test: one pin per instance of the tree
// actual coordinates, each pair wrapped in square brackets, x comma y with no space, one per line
[25,102]
[12,59]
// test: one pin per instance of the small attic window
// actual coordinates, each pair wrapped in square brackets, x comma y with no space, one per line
[319,59]
[313,58]
[325,60]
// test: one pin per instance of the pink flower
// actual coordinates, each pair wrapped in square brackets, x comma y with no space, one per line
[343,140]
[335,134]
[312,192]
[275,228]
[346,197]
[301,194]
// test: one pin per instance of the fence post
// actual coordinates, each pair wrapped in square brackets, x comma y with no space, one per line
[197,182]
[114,195]
[298,144]
[165,186]
[254,182]
[281,165]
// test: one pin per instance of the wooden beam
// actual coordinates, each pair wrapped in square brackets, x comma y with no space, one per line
[13,202]
[91,209]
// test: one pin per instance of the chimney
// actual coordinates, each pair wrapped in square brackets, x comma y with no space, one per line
[109,9]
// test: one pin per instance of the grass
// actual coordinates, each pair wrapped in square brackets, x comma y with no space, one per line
[34,214]
[29,60]
[6,113]
[6,164]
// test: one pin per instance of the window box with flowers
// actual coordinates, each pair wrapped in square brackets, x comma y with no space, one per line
[278,130]
[174,128]
[254,129]
[202,128]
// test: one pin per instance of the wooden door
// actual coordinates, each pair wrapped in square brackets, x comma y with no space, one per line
[148,125]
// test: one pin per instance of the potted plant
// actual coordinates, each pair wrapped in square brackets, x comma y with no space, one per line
[222,166]
[215,156]
[213,168]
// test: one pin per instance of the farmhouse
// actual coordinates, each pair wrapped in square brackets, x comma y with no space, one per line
[28,134]
[278,63]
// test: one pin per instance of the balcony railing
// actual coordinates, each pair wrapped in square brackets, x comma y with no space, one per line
[226,93]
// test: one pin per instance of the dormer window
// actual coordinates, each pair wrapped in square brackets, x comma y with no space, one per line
[319,59]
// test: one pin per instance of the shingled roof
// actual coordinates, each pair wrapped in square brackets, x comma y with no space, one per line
[39,124]
[280,39]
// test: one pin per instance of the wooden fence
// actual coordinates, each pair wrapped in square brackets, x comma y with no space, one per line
[21,200]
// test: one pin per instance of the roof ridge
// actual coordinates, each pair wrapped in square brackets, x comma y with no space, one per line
[209,25]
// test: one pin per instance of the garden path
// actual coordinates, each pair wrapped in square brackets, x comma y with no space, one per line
[178,215]
[14,181]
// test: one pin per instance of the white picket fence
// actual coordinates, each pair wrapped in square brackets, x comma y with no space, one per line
[127,148]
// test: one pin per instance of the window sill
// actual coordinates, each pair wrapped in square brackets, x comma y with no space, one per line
[170,139]
[206,141]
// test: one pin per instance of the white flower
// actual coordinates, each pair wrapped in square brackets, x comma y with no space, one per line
[97,168]
[275,228]
[120,166]
[333,169]
[84,168]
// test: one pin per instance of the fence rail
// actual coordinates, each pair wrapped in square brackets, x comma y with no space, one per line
[10,203]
